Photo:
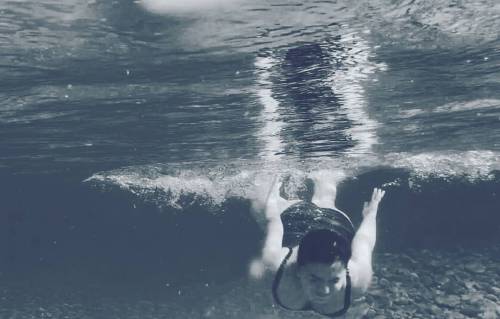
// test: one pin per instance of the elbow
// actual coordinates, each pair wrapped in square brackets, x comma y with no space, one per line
[361,274]
[363,282]
[272,258]
[367,280]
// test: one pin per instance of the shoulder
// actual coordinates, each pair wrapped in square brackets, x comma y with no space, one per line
[289,290]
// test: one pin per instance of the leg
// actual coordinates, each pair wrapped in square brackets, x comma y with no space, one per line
[272,252]
[275,204]
[325,188]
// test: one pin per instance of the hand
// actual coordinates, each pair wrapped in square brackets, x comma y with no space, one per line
[257,268]
[372,206]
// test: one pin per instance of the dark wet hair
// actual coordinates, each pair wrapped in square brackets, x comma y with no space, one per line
[323,246]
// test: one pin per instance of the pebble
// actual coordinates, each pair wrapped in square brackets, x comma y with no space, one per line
[475,267]
[435,310]
[384,282]
[492,290]
[371,313]
[461,285]
[408,259]
[450,301]
[428,281]
[471,310]
[453,287]
[414,275]
[472,297]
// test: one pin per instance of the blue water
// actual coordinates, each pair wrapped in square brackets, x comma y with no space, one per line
[137,142]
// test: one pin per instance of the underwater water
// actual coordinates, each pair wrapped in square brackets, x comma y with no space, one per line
[138,141]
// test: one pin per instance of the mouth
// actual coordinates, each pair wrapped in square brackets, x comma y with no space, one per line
[321,298]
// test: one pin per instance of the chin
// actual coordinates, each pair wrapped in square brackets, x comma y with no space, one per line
[321,300]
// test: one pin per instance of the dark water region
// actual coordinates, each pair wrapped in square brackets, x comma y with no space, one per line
[58,223]
[431,213]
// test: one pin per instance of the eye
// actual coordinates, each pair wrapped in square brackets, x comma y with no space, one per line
[334,280]
[314,279]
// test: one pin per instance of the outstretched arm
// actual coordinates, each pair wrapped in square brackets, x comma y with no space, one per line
[272,252]
[360,264]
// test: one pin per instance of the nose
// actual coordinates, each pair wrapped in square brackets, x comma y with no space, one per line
[324,290]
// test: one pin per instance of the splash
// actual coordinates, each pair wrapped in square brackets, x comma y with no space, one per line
[174,188]
[471,165]
[211,187]
[185,6]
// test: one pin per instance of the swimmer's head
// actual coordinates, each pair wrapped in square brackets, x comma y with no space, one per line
[322,264]
[323,246]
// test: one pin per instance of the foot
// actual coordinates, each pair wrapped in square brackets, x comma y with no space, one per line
[371,207]
[276,204]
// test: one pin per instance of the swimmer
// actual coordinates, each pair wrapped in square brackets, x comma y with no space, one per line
[321,264]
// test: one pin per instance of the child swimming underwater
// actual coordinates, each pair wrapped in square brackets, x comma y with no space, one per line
[321,263]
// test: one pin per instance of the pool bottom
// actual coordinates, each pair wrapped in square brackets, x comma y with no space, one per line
[459,283]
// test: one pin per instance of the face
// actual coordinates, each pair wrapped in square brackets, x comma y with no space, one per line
[320,281]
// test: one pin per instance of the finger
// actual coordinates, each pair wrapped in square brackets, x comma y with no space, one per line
[377,195]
